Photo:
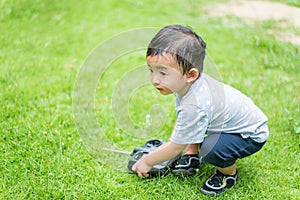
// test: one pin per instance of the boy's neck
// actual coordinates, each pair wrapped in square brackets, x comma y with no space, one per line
[185,90]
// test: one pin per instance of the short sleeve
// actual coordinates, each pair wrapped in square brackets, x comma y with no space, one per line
[191,125]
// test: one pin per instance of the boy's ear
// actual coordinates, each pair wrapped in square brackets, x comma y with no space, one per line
[192,75]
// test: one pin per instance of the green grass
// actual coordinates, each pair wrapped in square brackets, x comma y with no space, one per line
[43,45]
[291,2]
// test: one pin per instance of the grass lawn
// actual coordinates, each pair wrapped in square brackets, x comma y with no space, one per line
[44,44]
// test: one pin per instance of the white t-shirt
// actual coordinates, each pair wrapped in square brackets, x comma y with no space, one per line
[213,107]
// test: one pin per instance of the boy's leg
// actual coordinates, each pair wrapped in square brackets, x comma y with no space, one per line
[222,150]
[192,149]
[231,170]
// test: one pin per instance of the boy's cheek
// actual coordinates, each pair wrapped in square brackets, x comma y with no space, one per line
[176,86]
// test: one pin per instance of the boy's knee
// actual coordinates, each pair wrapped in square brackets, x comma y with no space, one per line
[212,152]
[209,144]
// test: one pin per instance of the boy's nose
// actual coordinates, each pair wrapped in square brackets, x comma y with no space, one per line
[155,80]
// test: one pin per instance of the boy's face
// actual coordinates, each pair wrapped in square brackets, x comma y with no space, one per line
[166,75]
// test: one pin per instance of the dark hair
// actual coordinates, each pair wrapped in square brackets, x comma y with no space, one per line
[187,48]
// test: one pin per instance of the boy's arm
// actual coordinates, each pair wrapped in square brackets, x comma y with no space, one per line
[165,152]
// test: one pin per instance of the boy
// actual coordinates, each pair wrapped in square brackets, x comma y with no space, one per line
[233,125]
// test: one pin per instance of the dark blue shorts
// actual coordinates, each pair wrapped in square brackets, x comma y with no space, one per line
[222,150]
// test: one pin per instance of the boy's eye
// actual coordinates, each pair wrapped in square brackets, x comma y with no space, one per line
[163,73]
[151,70]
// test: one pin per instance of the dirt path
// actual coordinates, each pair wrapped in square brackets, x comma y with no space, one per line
[262,10]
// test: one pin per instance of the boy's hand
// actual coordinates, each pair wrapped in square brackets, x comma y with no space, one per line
[163,153]
[142,168]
